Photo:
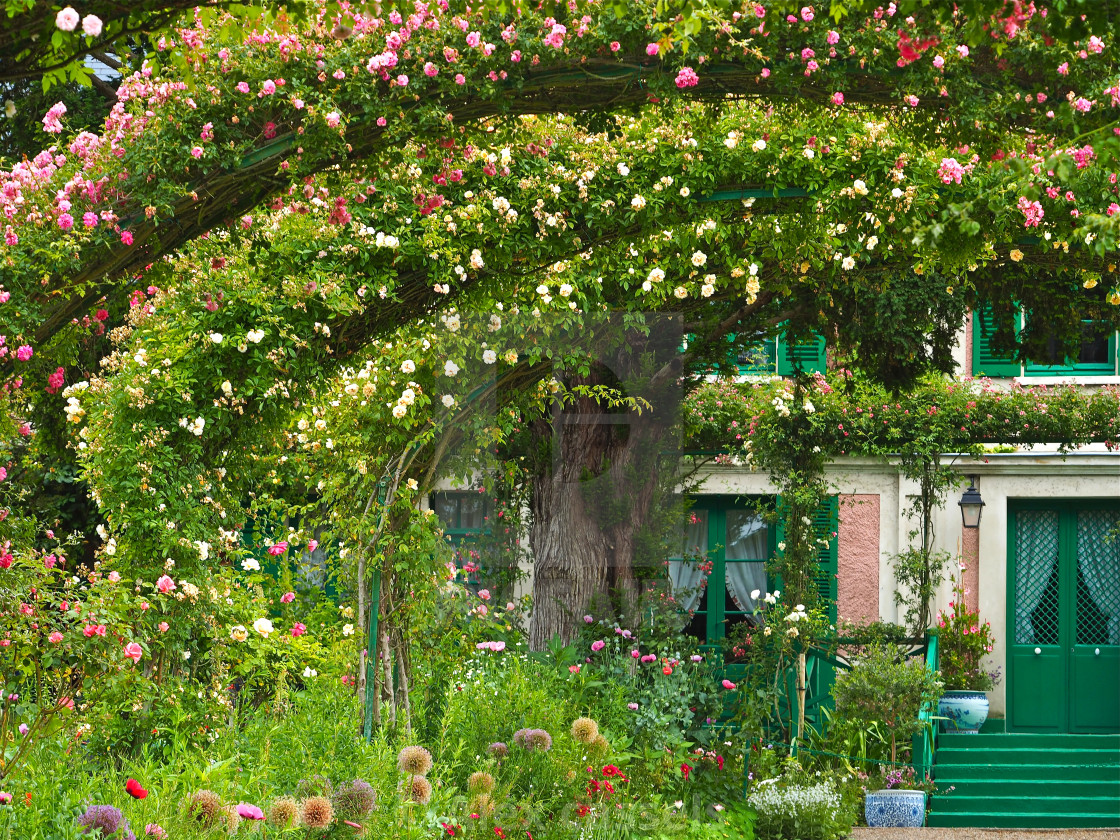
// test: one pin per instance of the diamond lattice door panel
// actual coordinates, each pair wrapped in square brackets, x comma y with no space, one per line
[1035,654]
[1095,657]
[1064,617]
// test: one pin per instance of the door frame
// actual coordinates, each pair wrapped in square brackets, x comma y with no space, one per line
[1067,615]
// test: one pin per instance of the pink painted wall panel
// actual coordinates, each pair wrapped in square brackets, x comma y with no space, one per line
[970,556]
[857,587]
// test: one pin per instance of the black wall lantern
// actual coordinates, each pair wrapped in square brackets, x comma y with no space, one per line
[971,505]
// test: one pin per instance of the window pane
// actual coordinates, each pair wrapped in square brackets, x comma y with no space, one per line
[695,535]
[445,505]
[1094,345]
[471,510]
[746,536]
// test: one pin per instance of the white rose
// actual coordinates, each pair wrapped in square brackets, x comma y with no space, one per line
[758,145]
[489,357]
[216,337]
[408,366]
[347,629]
[263,626]
[450,368]
[400,411]
[448,400]
[860,187]
[699,258]
[227,388]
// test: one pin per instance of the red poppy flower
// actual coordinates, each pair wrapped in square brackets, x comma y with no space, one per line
[134,790]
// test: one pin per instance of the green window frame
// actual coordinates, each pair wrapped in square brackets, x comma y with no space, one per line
[986,362]
[1107,367]
[465,517]
[711,516]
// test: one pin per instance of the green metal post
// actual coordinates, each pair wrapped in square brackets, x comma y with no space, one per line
[371,623]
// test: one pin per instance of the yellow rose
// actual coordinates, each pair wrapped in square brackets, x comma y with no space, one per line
[239,633]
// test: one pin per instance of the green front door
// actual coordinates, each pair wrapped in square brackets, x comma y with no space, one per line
[1064,616]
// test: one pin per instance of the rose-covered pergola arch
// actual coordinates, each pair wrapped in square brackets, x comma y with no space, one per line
[191,160]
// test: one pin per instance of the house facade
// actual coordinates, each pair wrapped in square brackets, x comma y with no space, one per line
[1043,567]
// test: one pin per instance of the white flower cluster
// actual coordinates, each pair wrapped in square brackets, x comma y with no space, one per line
[792,804]
[193,426]
[380,238]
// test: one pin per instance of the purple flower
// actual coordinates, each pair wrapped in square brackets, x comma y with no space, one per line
[587,619]
[249,812]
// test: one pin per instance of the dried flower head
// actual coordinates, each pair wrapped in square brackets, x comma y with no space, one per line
[480,782]
[355,799]
[205,806]
[601,745]
[533,739]
[498,749]
[415,761]
[416,789]
[108,820]
[231,818]
[283,813]
[585,730]
[317,812]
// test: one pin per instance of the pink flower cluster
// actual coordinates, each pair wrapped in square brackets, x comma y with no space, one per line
[687,78]
[950,171]
[1032,210]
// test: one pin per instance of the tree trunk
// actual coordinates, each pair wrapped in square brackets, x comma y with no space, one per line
[588,506]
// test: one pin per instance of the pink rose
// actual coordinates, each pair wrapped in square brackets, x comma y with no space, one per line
[838,98]
[287,597]
[652,49]
[133,651]
[242,87]
[615,46]
[24,352]
[163,625]
[430,69]
[730,686]
[277,548]
[165,584]
[333,119]
[126,237]
[298,630]
[91,25]
[687,78]
[807,13]
[54,638]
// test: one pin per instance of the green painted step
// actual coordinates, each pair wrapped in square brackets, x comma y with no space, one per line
[1002,780]
[1019,755]
[995,788]
[951,803]
[954,773]
[1029,741]
[1019,820]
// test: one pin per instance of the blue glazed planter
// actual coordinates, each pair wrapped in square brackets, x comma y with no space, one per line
[895,808]
[964,711]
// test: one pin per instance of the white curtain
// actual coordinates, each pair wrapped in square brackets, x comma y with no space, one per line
[1036,534]
[1098,557]
[685,576]
[747,547]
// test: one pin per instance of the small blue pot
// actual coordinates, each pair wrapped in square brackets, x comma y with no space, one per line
[895,808]
[964,712]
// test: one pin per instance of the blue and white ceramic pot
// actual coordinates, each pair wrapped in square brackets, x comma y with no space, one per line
[964,712]
[895,808]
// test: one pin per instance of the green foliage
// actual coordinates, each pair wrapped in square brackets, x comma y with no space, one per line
[889,689]
[918,573]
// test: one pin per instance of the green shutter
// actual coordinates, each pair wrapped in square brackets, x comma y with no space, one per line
[825,524]
[984,361]
[825,527]
[807,355]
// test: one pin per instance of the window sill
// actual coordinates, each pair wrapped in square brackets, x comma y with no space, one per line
[1069,379]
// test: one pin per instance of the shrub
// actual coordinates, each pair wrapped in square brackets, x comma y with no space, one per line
[883,687]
